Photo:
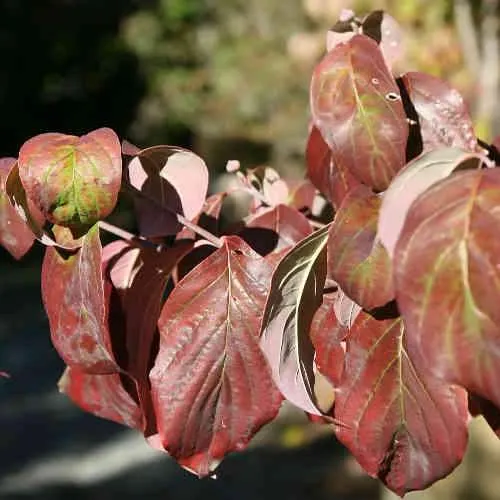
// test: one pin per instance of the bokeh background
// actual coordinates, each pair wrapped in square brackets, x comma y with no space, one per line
[229,79]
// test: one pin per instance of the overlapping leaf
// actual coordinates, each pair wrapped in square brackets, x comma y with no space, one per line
[295,295]
[73,296]
[171,181]
[443,115]
[447,270]
[15,235]
[357,261]
[275,228]
[74,181]
[401,424]
[356,105]
[333,181]
[102,395]
[212,387]
[413,180]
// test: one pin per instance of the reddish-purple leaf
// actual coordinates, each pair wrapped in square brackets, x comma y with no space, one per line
[419,175]
[172,181]
[326,335]
[296,293]
[74,181]
[356,105]
[101,395]
[275,228]
[302,195]
[334,181]
[443,116]
[15,235]
[401,424]
[357,261]
[211,385]
[447,276]
[74,299]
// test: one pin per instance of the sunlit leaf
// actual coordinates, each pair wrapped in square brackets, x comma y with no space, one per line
[296,293]
[413,180]
[73,296]
[442,113]
[401,424]
[356,105]
[74,181]
[172,181]
[212,387]
[357,261]
[447,275]
[15,235]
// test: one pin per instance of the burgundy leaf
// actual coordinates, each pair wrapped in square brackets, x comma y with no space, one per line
[15,235]
[326,335]
[357,261]
[443,116]
[357,107]
[102,395]
[401,424]
[419,175]
[447,276]
[275,228]
[296,293]
[211,385]
[334,181]
[302,195]
[73,296]
[171,181]
[74,181]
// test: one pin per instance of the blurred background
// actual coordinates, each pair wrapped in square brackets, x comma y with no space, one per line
[229,79]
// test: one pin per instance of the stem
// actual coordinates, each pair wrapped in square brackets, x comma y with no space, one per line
[180,218]
[129,237]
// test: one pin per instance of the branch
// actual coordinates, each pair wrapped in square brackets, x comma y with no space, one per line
[464,23]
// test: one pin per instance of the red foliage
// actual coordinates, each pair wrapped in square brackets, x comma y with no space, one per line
[194,336]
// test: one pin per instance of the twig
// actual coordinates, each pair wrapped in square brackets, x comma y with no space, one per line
[129,237]
[464,22]
[180,218]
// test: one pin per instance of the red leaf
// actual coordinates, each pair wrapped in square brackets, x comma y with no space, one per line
[15,235]
[334,181]
[443,116]
[73,295]
[419,175]
[276,228]
[326,335]
[401,424]
[211,385]
[101,395]
[169,177]
[74,181]
[447,275]
[352,94]
[357,261]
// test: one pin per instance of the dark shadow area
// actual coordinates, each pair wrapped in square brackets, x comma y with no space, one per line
[64,69]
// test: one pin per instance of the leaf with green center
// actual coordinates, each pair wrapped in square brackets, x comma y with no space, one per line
[74,299]
[447,278]
[355,103]
[211,385]
[296,293]
[357,261]
[402,424]
[74,181]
